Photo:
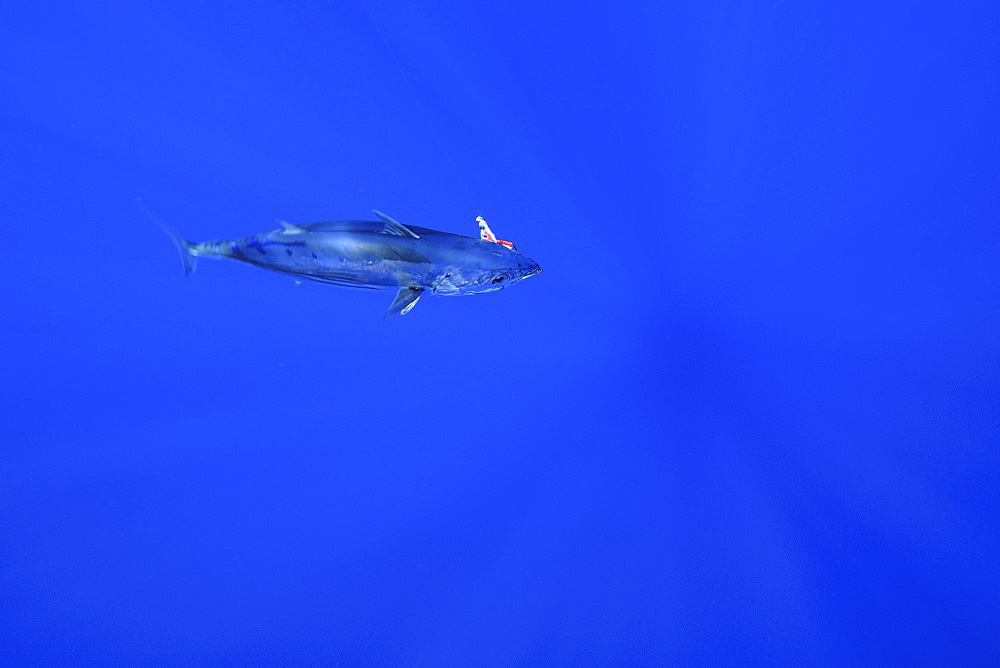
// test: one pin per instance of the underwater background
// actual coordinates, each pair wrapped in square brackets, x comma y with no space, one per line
[748,415]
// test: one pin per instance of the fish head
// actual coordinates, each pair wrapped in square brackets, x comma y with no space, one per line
[493,269]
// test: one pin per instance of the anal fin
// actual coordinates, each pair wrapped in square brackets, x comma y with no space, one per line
[405,299]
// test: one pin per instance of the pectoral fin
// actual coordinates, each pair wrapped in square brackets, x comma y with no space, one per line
[406,299]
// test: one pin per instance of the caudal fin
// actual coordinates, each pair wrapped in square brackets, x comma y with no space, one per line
[184,247]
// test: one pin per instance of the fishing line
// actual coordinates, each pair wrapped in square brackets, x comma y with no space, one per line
[416,99]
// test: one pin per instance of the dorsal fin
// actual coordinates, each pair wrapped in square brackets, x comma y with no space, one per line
[291,229]
[394,227]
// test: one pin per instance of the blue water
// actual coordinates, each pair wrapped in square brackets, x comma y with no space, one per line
[748,415]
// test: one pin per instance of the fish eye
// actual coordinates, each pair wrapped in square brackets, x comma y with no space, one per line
[499,279]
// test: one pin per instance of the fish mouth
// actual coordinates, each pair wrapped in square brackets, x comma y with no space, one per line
[537,270]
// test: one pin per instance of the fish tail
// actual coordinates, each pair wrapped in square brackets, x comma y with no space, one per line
[184,247]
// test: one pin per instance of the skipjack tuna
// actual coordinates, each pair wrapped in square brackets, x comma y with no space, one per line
[375,254]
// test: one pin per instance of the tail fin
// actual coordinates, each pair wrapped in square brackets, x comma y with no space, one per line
[184,247]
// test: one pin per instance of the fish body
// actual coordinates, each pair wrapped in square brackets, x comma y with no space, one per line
[376,254]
